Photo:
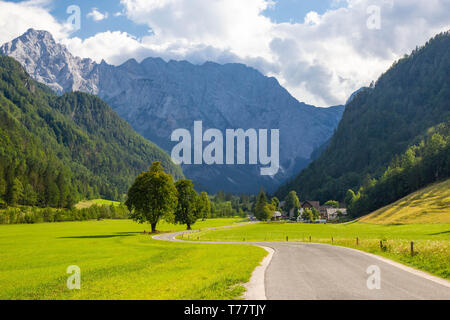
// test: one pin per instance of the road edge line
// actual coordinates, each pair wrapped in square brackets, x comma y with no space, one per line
[256,287]
[399,265]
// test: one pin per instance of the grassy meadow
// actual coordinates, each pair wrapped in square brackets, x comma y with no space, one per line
[117,261]
[98,202]
[428,205]
[431,241]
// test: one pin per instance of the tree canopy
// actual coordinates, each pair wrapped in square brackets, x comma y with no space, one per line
[189,208]
[153,196]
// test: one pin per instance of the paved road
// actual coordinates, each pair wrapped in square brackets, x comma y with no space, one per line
[308,271]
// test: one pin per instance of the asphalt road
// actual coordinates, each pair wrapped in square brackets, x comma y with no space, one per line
[308,271]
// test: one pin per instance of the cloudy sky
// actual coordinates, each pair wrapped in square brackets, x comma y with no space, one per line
[320,50]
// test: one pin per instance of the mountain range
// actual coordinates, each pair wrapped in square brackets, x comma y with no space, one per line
[158,97]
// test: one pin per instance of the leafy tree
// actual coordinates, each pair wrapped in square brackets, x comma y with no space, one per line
[52,194]
[307,215]
[315,213]
[292,203]
[153,196]
[269,211]
[349,197]
[204,206]
[15,192]
[332,203]
[29,196]
[188,209]
[220,196]
[276,203]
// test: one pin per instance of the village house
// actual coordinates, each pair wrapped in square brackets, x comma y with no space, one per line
[277,216]
[326,213]
[333,213]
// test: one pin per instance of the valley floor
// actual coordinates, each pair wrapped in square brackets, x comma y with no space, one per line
[118,262]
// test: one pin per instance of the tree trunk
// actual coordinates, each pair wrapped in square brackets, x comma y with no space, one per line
[153,227]
[189,226]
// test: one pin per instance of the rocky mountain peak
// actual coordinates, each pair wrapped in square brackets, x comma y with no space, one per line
[50,62]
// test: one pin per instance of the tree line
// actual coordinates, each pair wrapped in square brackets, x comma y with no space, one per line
[31,215]
[423,163]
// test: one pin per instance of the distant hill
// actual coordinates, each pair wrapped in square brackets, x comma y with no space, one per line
[55,150]
[158,97]
[428,205]
[380,123]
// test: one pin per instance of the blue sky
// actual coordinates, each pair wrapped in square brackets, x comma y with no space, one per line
[320,51]
[283,11]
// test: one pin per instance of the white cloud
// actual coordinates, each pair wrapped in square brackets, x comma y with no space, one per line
[312,18]
[321,61]
[17,18]
[97,15]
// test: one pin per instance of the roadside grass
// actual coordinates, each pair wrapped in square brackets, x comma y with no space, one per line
[428,205]
[117,261]
[431,241]
[100,202]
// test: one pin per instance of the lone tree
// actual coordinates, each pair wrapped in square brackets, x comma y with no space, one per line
[152,196]
[307,215]
[187,211]
[204,206]
[292,203]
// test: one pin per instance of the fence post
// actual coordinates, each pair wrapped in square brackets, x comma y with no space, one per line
[309,238]
[381,244]
[287,239]
[412,248]
[332,240]
[357,241]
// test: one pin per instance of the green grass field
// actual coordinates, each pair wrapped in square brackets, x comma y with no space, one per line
[431,241]
[118,262]
[428,205]
[99,202]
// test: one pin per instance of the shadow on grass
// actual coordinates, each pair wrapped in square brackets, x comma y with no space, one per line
[439,233]
[104,236]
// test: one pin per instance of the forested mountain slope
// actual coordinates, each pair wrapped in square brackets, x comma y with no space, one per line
[55,150]
[381,122]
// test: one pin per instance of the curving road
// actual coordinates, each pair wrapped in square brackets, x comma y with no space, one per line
[308,271]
